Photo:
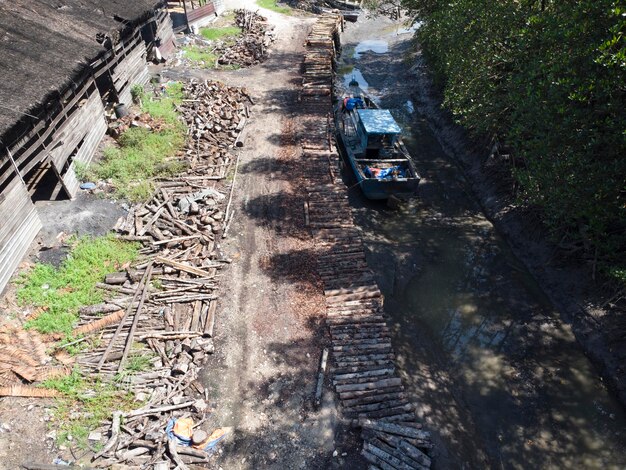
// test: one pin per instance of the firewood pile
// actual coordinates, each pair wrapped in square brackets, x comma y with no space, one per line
[166,305]
[144,120]
[156,330]
[252,47]
[317,80]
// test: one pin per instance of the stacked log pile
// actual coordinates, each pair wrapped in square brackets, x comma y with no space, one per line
[317,80]
[167,304]
[362,358]
[319,59]
[253,44]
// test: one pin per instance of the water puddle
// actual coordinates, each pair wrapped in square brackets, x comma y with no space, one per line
[378,46]
[355,74]
[410,29]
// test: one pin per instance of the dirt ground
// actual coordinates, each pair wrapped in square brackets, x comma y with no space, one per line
[269,330]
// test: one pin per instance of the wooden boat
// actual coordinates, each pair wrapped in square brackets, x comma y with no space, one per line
[371,141]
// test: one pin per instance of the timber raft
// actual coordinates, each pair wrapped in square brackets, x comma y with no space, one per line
[362,359]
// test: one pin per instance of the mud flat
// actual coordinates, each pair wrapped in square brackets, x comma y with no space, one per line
[508,384]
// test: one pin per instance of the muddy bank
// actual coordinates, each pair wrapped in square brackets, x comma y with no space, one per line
[566,281]
[497,374]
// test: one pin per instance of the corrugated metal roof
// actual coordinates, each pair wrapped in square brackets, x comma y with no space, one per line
[378,121]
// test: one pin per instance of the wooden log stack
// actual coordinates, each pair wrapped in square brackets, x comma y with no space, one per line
[319,58]
[163,309]
[363,370]
[253,45]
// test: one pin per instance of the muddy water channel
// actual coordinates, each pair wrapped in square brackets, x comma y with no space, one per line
[498,377]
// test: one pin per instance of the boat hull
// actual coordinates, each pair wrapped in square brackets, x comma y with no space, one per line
[383,189]
[372,188]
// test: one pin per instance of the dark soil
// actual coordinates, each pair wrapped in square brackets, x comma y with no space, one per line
[499,376]
[566,280]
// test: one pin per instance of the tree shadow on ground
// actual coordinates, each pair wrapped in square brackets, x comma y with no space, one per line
[296,266]
[283,170]
[298,432]
[283,212]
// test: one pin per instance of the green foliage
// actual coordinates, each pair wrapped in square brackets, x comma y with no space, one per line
[174,91]
[138,363]
[62,291]
[86,403]
[81,170]
[225,33]
[201,55]
[273,5]
[136,92]
[144,154]
[70,385]
[547,78]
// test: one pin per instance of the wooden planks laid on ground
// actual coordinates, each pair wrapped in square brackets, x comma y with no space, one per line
[363,368]
[322,42]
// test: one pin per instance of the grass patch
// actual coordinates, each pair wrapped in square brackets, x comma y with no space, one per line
[201,56]
[273,5]
[227,18]
[225,33]
[144,154]
[139,360]
[139,363]
[86,403]
[62,291]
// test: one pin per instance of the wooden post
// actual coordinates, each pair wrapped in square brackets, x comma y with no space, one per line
[186,19]
[17,170]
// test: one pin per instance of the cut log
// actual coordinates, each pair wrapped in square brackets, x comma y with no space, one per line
[395,429]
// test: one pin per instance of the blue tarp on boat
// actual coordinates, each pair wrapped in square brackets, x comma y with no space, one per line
[386,173]
[378,121]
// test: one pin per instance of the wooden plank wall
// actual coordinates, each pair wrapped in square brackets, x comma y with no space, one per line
[19,227]
[32,149]
[165,33]
[74,128]
[201,12]
[66,138]
[93,127]
[130,71]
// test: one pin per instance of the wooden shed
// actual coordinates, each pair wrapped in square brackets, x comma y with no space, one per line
[61,63]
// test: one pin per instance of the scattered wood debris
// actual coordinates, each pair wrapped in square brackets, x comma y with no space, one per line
[165,306]
[249,48]
[154,333]
[144,120]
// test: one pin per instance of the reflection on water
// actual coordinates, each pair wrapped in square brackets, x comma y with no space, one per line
[411,29]
[379,46]
[355,74]
[535,400]
[494,369]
